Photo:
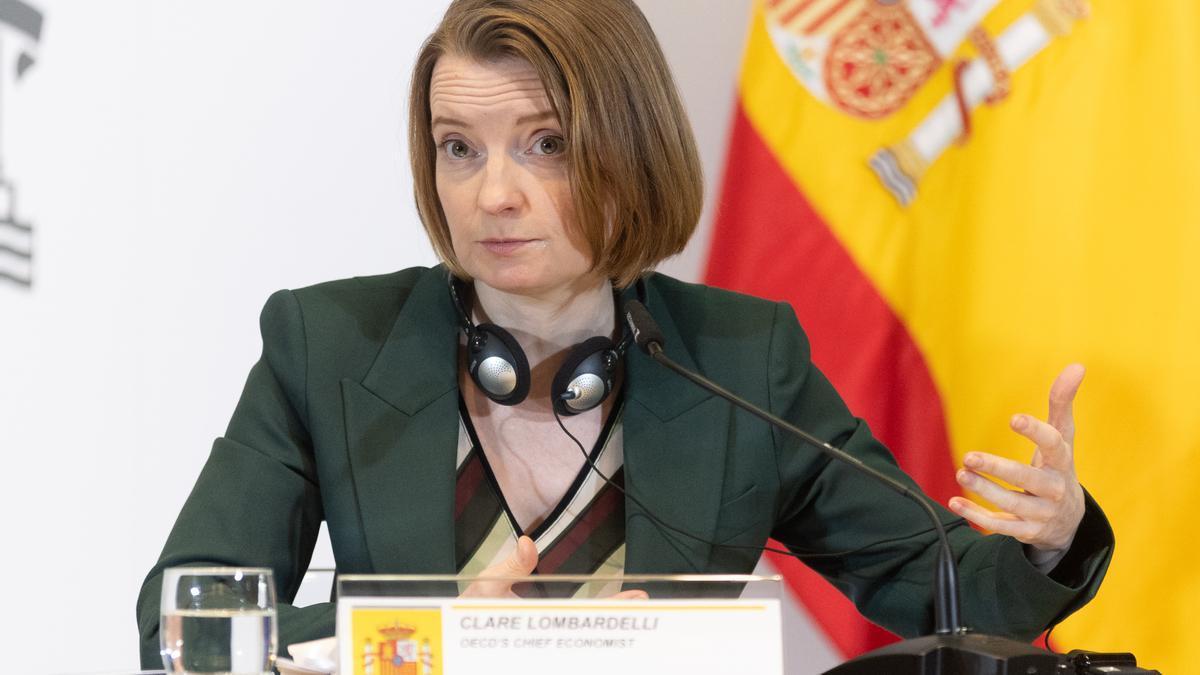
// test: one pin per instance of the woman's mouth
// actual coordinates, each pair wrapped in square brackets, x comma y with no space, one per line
[505,246]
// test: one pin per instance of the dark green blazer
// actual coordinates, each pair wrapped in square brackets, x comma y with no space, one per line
[351,416]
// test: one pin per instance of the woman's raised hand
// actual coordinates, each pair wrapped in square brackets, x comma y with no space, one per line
[1046,506]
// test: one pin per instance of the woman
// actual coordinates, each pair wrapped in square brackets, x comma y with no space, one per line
[554,167]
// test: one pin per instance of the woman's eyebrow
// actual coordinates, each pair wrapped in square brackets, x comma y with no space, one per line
[441,120]
[448,121]
[536,117]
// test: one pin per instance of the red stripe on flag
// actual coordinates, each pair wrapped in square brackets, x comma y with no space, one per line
[768,241]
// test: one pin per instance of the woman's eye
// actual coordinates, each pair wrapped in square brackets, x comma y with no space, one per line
[456,149]
[549,145]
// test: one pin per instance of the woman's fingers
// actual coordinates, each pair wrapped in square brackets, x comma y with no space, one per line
[1019,504]
[1062,400]
[994,521]
[1023,476]
[523,560]
[1053,450]
[496,581]
[520,563]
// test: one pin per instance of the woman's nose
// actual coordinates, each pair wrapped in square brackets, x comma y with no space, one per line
[500,192]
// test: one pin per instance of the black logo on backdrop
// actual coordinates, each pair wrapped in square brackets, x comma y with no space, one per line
[16,234]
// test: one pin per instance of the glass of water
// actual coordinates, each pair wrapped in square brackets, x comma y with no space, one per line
[218,620]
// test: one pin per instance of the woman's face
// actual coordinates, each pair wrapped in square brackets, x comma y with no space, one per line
[502,178]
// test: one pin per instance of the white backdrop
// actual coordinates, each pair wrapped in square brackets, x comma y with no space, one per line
[178,162]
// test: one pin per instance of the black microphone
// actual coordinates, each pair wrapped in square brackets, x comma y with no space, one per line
[646,334]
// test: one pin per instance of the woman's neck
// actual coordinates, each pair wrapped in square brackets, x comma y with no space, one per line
[547,325]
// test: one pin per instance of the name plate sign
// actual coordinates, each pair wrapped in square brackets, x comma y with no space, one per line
[461,636]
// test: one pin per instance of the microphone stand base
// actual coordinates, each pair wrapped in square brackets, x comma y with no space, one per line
[957,654]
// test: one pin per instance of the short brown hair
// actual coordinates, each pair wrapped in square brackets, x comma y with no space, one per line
[631,154]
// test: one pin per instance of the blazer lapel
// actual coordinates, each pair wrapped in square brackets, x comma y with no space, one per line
[402,425]
[675,440]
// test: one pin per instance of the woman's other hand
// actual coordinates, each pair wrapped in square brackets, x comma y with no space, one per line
[496,581]
[1046,506]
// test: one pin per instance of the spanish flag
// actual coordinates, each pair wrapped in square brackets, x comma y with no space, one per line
[960,197]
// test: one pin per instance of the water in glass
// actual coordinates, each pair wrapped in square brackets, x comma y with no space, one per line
[218,621]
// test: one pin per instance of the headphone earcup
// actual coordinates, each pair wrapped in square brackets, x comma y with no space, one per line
[587,374]
[497,365]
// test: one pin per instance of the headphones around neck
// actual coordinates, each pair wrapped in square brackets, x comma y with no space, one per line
[498,366]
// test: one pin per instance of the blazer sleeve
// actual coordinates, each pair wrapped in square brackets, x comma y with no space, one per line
[878,547]
[256,502]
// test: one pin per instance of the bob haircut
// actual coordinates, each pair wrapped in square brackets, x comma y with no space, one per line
[634,172]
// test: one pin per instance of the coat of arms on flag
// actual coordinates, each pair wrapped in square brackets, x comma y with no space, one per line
[868,58]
